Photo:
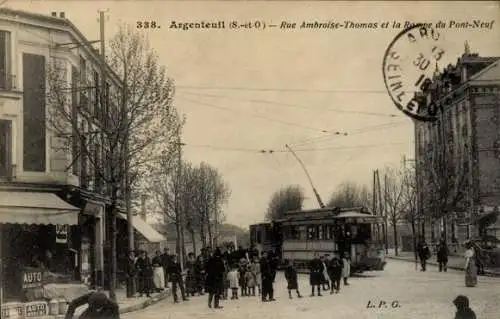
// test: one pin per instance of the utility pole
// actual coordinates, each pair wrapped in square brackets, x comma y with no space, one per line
[104,112]
[385,216]
[374,205]
[179,214]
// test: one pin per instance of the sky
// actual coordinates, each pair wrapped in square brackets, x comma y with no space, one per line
[248,90]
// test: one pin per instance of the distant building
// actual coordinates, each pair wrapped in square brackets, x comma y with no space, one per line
[466,134]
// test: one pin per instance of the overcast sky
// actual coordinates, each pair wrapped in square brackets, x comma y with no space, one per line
[247,90]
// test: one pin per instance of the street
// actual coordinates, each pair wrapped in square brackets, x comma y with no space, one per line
[407,293]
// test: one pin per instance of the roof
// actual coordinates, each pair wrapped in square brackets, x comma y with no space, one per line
[61,24]
[326,214]
[488,74]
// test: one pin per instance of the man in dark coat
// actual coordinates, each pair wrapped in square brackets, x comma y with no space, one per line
[131,275]
[424,253]
[267,275]
[214,281]
[175,277]
[199,274]
[291,279]
[99,307]
[166,259]
[442,256]
[144,274]
[315,274]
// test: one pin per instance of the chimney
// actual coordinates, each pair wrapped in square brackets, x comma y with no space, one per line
[54,14]
[62,15]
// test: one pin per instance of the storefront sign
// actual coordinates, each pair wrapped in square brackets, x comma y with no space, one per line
[32,278]
[62,234]
[36,309]
[12,310]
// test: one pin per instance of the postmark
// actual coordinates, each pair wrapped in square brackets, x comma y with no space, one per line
[408,66]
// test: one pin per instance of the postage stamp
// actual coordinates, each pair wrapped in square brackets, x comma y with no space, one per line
[408,66]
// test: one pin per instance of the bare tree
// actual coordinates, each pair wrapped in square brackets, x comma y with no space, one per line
[349,194]
[286,199]
[394,199]
[114,130]
[447,180]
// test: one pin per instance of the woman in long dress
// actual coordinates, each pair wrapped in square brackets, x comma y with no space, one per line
[158,273]
[470,266]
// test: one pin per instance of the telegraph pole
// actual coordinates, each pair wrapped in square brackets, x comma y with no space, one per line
[104,107]
[180,217]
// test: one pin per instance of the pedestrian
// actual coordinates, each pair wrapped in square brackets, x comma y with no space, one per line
[214,280]
[463,309]
[131,272]
[158,272]
[227,285]
[291,279]
[144,274]
[470,266]
[200,274]
[175,276]
[424,253]
[242,277]
[166,259]
[346,268]
[267,278]
[315,274]
[191,288]
[326,279]
[99,307]
[442,256]
[255,270]
[250,281]
[233,277]
[334,267]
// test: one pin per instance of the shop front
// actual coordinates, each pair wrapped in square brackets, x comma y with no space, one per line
[41,252]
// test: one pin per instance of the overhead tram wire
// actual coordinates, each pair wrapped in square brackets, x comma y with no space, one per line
[271,151]
[281,104]
[255,115]
[362,130]
[305,90]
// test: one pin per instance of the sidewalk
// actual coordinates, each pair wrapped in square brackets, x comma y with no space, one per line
[454,262]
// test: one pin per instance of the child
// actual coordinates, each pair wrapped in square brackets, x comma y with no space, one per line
[242,281]
[233,277]
[463,309]
[291,279]
[250,281]
[346,269]
[334,268]
[226,280]
[255,269]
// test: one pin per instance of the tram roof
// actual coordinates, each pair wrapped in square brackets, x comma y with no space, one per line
[350,214]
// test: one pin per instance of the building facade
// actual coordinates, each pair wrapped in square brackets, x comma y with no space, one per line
[53,198]
[458,154]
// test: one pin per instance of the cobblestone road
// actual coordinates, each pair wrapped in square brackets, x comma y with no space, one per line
[423,295]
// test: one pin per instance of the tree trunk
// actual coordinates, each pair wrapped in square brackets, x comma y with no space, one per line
[395,233]
[209,229]
[114,265]
[193,241]
[414,235]
[202,234]
[445,231]
[178,237]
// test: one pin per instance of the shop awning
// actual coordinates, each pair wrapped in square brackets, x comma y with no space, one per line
[36,208]
[145,229]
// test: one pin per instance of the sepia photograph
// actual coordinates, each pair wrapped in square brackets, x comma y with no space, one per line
[246,159]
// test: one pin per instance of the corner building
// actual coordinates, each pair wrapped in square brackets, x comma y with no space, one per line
[53,220]
[466,137]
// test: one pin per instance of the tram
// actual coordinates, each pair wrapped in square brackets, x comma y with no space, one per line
[301,234]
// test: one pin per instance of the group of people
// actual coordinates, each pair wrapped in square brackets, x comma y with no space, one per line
[473,263]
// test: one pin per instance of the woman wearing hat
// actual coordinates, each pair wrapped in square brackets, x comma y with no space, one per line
[470,265]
